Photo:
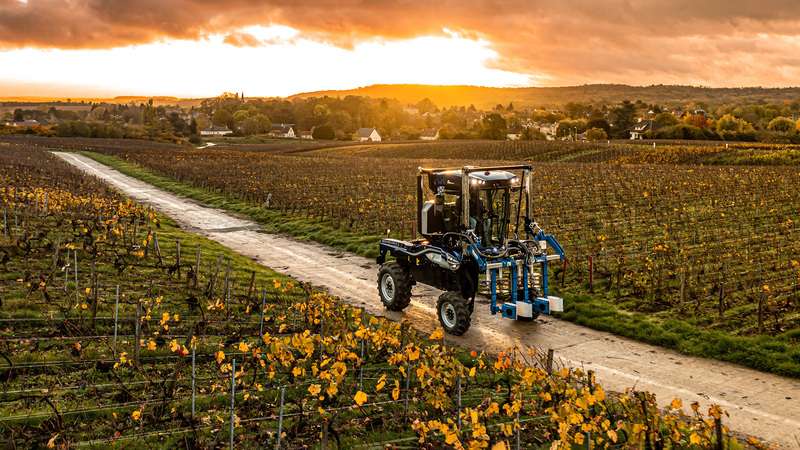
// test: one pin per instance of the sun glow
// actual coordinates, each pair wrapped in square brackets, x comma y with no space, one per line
[274,61]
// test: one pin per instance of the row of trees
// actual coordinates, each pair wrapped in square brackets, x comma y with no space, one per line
[667,125]
[338,118]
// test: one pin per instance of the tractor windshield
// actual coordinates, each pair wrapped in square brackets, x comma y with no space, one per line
[494,217]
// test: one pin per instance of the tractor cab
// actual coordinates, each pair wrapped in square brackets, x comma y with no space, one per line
[477,234]
[488,206]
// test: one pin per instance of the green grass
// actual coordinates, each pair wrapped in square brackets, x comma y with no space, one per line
[777,354]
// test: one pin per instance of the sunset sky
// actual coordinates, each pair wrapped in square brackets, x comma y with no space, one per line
[196,48]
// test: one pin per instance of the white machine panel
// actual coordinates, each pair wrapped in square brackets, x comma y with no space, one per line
[425,209]
[556,303]
[524,309]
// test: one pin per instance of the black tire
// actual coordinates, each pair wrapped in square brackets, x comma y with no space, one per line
[396,293]
[453,312]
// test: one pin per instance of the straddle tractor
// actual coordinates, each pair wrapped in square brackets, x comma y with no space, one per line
[477,233]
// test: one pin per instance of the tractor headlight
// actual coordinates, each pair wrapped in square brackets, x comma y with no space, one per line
[515,180]
[453,263]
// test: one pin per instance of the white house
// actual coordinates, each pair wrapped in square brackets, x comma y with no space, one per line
[642,127]
[25,123]
[429,134]
[283,130]
[368,135]
[216,131]
[307,134]
[549,130]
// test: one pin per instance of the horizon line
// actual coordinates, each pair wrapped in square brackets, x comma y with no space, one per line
[44,98]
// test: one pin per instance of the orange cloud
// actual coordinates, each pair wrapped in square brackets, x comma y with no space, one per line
[242,40]
[713,42]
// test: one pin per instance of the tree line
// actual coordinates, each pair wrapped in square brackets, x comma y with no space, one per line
[340,117]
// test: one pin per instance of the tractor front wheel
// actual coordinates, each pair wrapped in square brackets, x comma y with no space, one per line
[454,313]
[394,286]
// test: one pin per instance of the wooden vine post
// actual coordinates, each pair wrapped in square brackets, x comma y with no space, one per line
[252,287]
[178,258]
[197,268]
[137,333]
[94,294]
[157,248]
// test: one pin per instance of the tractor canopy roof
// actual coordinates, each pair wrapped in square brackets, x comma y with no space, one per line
[489,179]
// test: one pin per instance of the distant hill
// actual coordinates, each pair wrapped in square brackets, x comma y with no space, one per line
[124,99]
[488,97]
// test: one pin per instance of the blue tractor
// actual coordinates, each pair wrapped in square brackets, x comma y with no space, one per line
[477,234]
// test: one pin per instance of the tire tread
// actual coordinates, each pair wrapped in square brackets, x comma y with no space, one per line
[403,282]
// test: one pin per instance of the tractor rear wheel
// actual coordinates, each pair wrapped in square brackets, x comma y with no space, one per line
[394,286]
[454,313]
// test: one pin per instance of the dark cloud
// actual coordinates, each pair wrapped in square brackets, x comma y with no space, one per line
[712,42]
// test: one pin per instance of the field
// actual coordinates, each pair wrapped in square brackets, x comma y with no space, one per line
[618,152]
[118,329]
[706,254]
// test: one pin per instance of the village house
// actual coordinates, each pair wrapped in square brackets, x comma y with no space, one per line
[429,134]
[643,126]
[549,130]
[215,130]
[368,135]
[283,130]
[25,123]
[514,132]
[307,134]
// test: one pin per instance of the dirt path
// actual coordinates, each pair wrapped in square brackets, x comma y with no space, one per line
[762,404]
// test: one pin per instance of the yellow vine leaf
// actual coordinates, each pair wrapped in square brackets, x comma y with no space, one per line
[437,335]
[381,383]
[332,390]
[451,437]
[396,390]
[360,398]
[500,446]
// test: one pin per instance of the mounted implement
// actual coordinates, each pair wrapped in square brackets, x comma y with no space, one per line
[471,242]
